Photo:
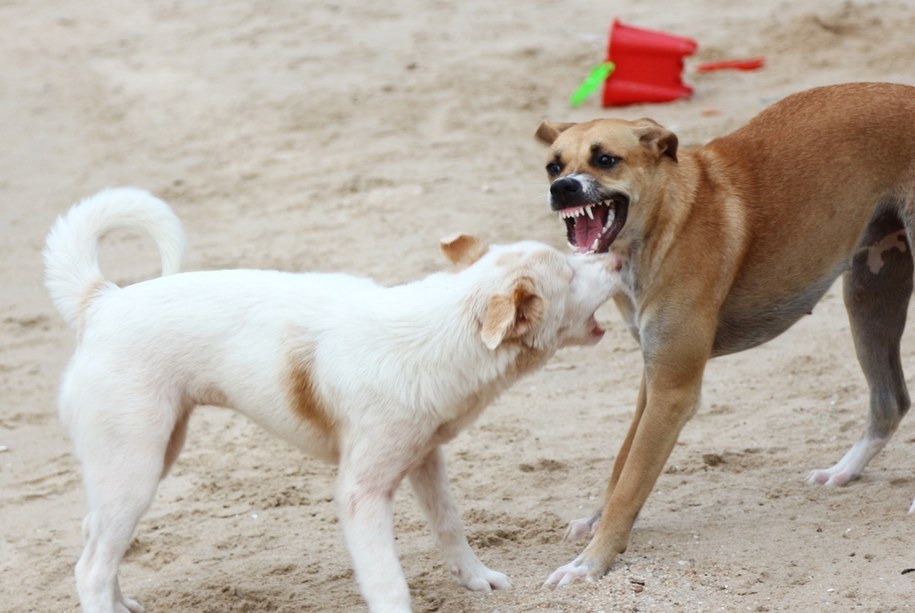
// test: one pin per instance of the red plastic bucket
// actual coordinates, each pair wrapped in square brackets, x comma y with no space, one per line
[648,66]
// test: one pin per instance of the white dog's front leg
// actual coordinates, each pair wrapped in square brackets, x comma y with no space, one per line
[365,492]
[430,482]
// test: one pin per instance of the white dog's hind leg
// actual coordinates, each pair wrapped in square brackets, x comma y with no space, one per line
[122,458]
[430,482]
[113,516]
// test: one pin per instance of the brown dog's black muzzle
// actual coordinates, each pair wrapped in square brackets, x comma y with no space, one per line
[566,192]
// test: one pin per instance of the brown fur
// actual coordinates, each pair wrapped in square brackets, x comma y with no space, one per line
[511,316]
[306,402]
[463,249]
[726,246]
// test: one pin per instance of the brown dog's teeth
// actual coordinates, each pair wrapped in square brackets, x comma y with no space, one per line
[610,217]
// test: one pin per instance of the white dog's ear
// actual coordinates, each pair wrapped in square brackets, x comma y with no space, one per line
[463,249]
[658,138]
[511,315]
[547,131]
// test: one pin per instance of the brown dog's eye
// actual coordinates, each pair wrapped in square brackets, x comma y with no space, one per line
[606,161]
[553,169]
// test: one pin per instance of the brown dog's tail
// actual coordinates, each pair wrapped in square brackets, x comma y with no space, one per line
[72,273]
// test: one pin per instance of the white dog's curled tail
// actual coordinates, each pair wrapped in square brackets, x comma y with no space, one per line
[70,255]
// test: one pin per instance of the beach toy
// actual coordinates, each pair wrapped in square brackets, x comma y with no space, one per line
[748,64]
[591,83]
[649,65]
[646,66]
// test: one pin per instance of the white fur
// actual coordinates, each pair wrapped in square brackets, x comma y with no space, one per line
[851,465]
[73,240]
[394,373]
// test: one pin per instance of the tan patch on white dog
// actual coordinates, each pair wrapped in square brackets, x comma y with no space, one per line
[512,315]
[463,249]
[305,399]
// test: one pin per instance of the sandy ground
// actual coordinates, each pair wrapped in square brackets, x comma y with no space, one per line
[351,136]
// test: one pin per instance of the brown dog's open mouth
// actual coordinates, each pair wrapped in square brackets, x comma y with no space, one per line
[592,228]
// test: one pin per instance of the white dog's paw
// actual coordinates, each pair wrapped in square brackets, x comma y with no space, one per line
[582,528]
[130,605]
[478,578]
[573,571]
[126,605]
[831,477]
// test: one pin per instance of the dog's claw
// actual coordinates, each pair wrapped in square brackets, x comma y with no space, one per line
[130,606]
[581,528]
[569,573]
[830,478]
[850,466]
[482,579]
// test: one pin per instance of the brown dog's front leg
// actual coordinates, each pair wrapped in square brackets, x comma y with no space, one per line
[630,436]
[671,398]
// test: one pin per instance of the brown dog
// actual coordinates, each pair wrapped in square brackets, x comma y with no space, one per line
[818,185]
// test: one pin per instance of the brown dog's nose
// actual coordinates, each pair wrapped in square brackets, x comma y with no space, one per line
[565,192]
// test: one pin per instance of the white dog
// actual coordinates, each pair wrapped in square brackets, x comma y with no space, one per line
[374,378]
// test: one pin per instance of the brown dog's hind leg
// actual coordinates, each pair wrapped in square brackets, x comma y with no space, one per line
[877,289]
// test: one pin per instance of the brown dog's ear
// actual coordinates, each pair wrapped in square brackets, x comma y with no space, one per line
[659,139]
[511,315]
[463,249]
[547,131]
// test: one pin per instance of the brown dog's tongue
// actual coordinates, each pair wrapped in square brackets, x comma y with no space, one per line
[586,230]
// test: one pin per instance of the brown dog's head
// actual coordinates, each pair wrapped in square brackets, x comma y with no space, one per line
[598,170]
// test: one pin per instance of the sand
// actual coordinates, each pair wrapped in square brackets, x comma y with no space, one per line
[351,136]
